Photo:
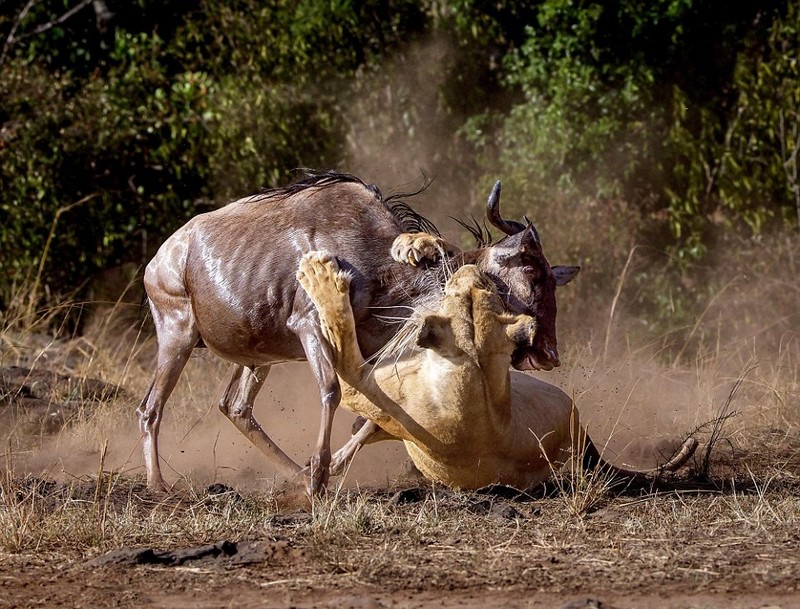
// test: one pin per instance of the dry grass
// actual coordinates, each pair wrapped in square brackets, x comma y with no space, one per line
[439,540]
[582,491]
[80,492]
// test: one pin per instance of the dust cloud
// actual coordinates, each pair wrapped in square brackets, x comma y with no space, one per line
[636,398]
[738,355]
[400,136]
[199,443]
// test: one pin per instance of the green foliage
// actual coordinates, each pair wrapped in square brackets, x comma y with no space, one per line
[743,165]
[654,123]
[165,110]
[669,123]
[606,89]
[131,142]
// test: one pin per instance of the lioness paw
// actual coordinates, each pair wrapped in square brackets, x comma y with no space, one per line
[321,276]
[413,248]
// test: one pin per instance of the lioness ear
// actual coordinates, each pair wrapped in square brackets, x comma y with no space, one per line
[435,332]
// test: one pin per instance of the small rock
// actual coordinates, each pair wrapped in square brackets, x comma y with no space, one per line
[222,492]
[149,556]
[495,509]
[501,491]
[586,603]
[409,495]
[295,518]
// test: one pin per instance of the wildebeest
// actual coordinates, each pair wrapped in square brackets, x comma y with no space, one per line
[226,281]
[467,420]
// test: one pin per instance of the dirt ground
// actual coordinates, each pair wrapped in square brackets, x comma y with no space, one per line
[424,547]
[728,540]
[246,588]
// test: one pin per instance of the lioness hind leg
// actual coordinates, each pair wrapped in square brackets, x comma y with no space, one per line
[328,287]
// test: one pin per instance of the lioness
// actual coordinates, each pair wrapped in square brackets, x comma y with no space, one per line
[467,421]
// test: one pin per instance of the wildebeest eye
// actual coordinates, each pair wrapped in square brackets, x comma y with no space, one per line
[507,259]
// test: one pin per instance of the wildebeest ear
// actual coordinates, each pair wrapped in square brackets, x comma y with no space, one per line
[529,241]
[565,274]
[435,332]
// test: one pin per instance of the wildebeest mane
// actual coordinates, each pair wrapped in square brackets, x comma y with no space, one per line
[410,220]
[313,178]
[480,232]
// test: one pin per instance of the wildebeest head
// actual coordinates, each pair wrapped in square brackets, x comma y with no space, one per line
[527,284]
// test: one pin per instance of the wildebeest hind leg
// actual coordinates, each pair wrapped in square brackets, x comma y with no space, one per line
[174,347]
[237,405]
[367,433]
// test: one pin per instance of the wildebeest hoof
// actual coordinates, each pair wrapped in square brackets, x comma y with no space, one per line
[338,466]
[158,486]
[315,488]
[316,481]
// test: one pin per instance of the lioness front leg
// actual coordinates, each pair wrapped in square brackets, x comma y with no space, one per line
[413,248]
[328,287]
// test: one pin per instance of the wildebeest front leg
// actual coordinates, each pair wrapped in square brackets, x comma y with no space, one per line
[237,405]
[328,287]
[319,357]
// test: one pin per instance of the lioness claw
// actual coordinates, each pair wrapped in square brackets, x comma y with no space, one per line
[414,248]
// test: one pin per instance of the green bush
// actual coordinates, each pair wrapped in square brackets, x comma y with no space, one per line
[743,165]
[667,125]
[113,137]
[129,146]
[653,124]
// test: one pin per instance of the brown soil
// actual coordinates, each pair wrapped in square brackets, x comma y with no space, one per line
[731,541]
[246,587]
[483,551]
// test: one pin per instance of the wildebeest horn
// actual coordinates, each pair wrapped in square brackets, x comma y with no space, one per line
[509,227]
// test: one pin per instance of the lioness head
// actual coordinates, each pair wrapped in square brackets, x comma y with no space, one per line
[471,322]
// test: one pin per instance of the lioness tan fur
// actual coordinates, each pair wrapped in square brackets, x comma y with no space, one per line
[467,421]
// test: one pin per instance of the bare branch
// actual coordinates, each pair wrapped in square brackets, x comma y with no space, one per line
[17,22]
[12,39]
[59,20]
[789,158]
